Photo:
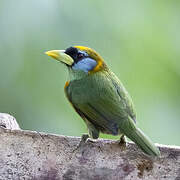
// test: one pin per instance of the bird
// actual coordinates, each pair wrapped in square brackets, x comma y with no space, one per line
[100,98]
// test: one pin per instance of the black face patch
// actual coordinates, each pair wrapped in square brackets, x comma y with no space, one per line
[71,51]
[76,54]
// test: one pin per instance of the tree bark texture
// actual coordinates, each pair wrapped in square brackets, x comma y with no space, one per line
[40,156]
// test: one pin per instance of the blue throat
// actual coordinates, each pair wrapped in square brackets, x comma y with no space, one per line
[86,65]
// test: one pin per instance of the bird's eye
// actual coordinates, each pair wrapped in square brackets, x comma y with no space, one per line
[80,55]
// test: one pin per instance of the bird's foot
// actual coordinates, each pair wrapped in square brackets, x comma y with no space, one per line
[83,140]
[122,143]
[92,140]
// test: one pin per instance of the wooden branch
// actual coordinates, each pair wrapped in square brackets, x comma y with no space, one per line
[8,122]
[39,156]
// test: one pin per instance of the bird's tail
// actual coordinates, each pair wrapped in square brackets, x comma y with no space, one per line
[136,135]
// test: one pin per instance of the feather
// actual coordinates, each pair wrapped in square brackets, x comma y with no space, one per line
[104,104]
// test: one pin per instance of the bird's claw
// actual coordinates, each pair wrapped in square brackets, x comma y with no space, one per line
[83,140]
[122,143]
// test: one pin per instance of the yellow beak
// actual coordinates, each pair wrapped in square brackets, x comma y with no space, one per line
[60,56]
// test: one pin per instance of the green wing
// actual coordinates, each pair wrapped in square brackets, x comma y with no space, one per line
[105,106]
[99,101]
[124,96]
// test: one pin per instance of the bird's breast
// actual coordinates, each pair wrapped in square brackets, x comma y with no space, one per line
[83,90]
[92,88]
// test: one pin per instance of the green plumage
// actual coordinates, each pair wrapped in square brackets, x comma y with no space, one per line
[105,106]
[99,97]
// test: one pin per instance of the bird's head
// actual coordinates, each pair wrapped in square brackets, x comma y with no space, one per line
[79,58]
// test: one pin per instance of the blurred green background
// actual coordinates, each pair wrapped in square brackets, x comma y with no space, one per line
[139,40]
